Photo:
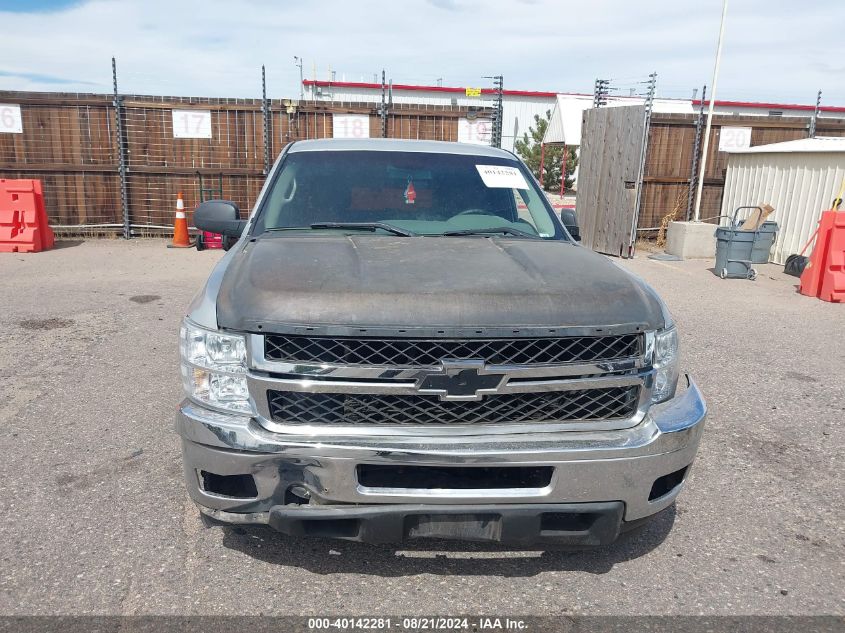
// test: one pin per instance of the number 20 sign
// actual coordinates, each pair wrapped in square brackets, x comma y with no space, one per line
[731,137]
[191,123]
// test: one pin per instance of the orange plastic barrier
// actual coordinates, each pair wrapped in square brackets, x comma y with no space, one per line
[23,219]
[824,276]
[833,277]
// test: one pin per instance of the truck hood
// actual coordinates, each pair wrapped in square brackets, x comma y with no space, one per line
[278,283]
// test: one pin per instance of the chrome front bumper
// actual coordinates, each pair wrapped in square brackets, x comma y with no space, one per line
[589,466]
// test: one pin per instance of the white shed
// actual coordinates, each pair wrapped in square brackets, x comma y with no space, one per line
[799,179]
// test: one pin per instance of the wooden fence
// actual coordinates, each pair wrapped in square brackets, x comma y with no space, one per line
[668,171]
[611,153]
[72,144]
[670,153]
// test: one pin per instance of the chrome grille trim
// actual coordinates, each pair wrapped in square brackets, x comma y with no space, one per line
[428,352]
[298,408]
[267,376]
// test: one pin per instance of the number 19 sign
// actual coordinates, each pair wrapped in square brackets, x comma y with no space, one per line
[191,123]
[477,131]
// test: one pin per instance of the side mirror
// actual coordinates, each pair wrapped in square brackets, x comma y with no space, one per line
[570,221]
[220,216]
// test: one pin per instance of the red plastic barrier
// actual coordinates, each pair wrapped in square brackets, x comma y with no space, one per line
[824,276]
[23,219]
[833,276]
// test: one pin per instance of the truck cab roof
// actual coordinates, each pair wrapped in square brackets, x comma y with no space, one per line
[398,145]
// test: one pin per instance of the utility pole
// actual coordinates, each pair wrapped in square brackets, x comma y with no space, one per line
[815,115]
[600,92]
[697,216]
[496,136]
[297,61]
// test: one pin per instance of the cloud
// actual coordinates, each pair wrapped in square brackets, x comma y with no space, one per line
[448,5]
[45,79]
[771,53]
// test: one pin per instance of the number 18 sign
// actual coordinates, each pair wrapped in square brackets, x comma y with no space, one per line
[191,123]
[350,126]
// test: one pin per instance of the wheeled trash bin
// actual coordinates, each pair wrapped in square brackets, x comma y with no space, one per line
[737,250]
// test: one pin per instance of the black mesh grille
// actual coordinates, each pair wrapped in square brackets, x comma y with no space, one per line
[372,409]
[427,352]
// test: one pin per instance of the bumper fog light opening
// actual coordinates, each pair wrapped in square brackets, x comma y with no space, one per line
[297,495]
[233,486]
[667,483]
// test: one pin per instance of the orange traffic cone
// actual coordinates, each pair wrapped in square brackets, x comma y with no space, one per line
[180,226]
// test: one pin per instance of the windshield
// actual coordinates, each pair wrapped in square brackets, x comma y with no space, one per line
[412,193]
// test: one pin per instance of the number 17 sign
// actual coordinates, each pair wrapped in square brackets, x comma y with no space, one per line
[191,123]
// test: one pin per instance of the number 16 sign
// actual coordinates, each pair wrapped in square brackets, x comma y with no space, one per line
[10,118]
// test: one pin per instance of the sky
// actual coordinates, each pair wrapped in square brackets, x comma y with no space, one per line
[774,51]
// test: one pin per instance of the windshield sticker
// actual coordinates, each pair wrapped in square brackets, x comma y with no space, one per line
[498,176]
[410,193]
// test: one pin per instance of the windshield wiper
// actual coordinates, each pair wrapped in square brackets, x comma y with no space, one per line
[365,226]
[505,230]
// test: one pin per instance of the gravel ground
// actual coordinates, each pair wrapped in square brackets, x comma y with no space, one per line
[95,518]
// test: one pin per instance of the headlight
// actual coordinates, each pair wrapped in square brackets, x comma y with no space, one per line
[665,361]
[214,368]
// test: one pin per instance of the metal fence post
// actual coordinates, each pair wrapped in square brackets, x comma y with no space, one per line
[601,92]
[122,158]
[649,103]
[498,89]
[265,110]
[696,151]
[498,83]
[815,118]
[383,109]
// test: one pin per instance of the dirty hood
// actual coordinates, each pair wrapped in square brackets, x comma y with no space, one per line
[279,282]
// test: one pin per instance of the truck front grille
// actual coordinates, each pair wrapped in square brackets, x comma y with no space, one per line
[401,352]
[290,407]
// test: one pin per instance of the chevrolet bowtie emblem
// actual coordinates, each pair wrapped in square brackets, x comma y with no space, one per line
[460,380]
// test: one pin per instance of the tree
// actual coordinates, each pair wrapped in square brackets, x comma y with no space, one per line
[529,150]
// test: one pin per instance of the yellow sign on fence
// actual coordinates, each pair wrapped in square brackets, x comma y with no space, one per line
[473,92]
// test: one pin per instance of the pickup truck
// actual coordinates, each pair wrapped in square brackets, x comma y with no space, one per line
[405,341]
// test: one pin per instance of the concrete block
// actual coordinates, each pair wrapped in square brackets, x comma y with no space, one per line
[691,240]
